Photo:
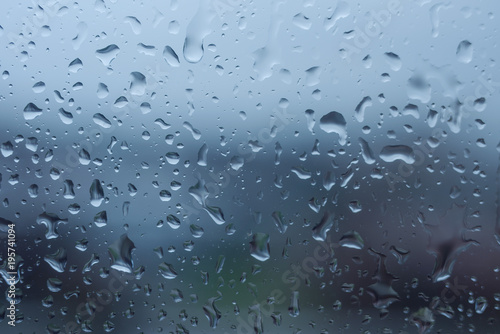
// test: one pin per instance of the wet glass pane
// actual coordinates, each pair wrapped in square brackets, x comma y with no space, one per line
[238,166]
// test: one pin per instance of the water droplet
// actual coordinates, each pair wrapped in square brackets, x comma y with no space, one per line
[65,116]
[101,120]
[480,104]
[419,88]
[101,219]
[120,253]
[236,162]
[301,173]
[31,111]
[196,231]
[341,11]
[39,87]
[202,155]
[352,239]
[58,260]
[170,56]
[173,222]
[196,31]
[259,246]
[108,54]
[7,149]
[96,193]
[165,195]
[102,90]
[334,122]
[302,21]
[366,152]
[196,133]
[481,305]
[174,27]
[294,309]
[75,65]
[54,284]
[173,158]
[312,76]
[465,52]
[355,206]
[135,24]
[220,264]
[400,254]
[447,241]
[121,102]
[279,221]
[393,60]
[148,50]
[382,292]
[211,312]
[51,222]
[138,83]
[167,270]
[392,153]
[423,319]
[320,231]
[216,214]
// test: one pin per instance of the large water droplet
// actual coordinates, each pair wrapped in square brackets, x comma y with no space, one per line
[65,116]
[341,11]
[138,83]
[75,65]
[7,149]
[465,52]
[352,239]
[120,253]
[301,173]
[108,54]
[294,309]
[211,312]
[334,122]
[167,270]
[173,222]
[196,31]
[202,155]
[393,60]
[423,319]
[216,214]
[220,264]
[96,193]
[101,120]
[366,152]
[319,231]
[54,284]
[58,260]
[279,221]
[101,219]
[31,111]
[259,246]
[392,153]
[447,240]
[51,222]
[359,112]
[382,292]
[302,21]
[135,24]
[170,56]
[196,231]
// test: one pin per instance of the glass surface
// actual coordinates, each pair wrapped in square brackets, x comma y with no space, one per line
[238,166]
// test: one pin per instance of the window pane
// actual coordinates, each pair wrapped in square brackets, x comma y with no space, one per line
[237,166]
